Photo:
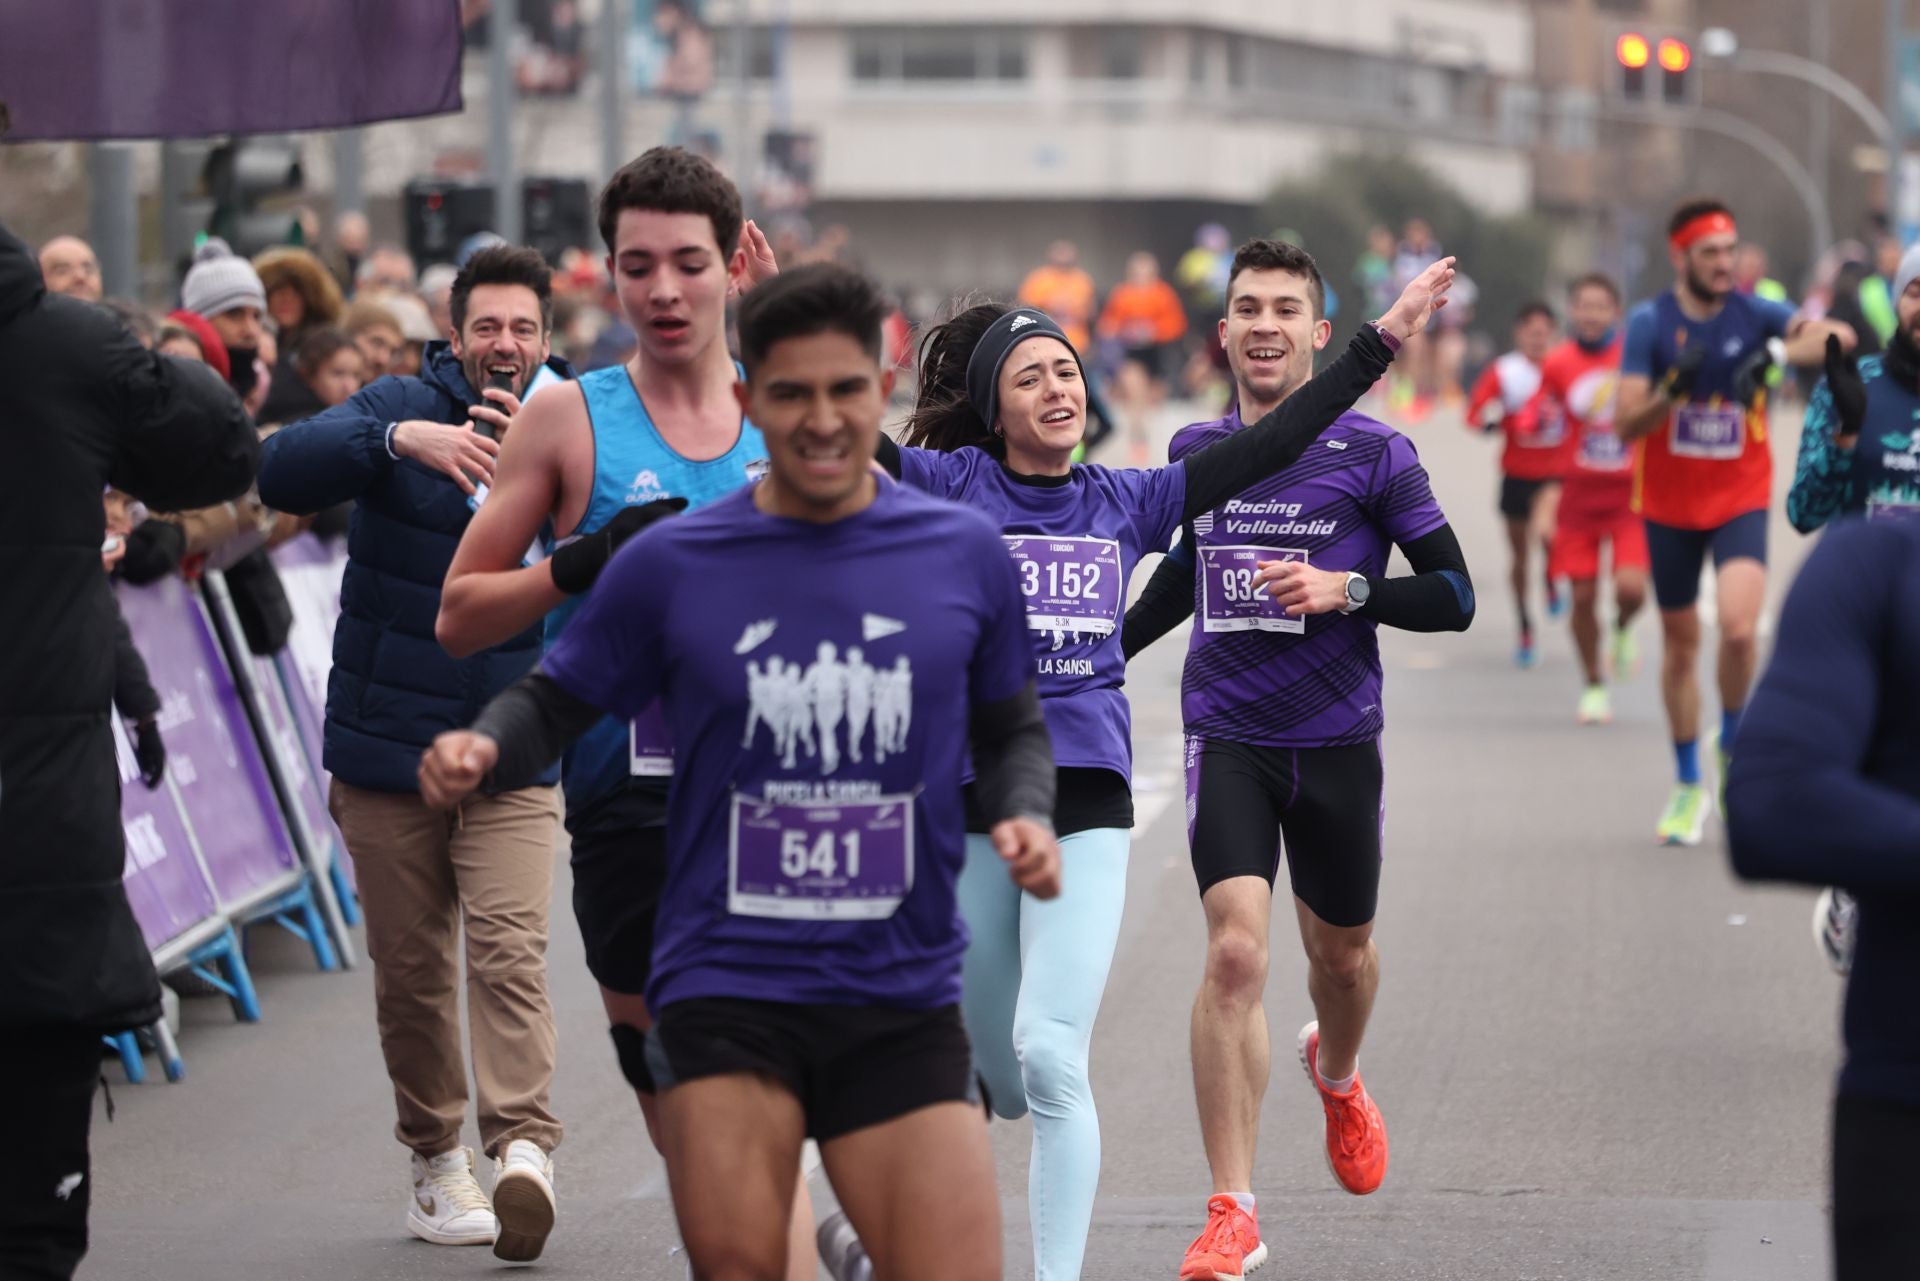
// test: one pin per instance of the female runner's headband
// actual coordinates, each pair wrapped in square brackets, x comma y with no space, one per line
[991,352]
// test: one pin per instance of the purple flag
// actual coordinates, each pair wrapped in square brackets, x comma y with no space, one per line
[164,883]
[168,69]
[211,752]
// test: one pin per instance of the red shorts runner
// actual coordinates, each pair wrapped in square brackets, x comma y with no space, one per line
[1576,543]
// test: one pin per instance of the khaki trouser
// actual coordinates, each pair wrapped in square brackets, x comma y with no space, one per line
[420,872]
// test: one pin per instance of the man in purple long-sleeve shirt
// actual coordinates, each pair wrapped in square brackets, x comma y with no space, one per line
[1825,790]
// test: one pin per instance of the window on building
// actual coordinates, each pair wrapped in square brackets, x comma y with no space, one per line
[894,55]
[1111,53]
[762,54]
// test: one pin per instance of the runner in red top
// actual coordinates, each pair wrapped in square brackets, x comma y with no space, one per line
[1531,466]
[1579,381]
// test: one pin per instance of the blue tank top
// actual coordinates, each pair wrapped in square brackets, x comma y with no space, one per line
[632,465]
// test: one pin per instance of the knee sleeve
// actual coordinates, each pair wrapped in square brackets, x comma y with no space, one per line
[630,1044]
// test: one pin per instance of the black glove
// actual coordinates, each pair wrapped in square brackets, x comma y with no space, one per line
[1750,378]
[1678,384]
[576,565]
[150,752]
[1848,392]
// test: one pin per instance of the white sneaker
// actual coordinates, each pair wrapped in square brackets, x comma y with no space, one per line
[523,1198]
[448,1206]
[1834,917]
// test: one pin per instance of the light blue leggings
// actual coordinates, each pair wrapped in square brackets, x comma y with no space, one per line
[1030,1038]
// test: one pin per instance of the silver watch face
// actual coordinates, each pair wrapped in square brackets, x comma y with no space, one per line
[1357,591]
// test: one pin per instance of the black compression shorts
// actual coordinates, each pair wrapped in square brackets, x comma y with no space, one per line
[1324,802]
[850,1066]
[619,869]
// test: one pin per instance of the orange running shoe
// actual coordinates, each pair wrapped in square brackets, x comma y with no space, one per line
[1228,1248]
[1356,1136]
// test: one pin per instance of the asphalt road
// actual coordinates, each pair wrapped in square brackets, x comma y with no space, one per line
[1598,1059]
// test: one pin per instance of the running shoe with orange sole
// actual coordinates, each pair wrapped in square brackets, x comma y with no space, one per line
[1356,1136]
[1229,1246]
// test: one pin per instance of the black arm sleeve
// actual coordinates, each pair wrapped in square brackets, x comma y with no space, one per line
[887,454]
[1012,759]
[533,720]
[1165,603]
[1437,597]
[132,688]
[1276,442]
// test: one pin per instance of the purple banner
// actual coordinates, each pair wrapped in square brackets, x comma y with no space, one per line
[310,571]
[164,883]
[211,753]
[174,69]
[278,718]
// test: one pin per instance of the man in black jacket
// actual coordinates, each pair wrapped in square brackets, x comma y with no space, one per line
[82,406]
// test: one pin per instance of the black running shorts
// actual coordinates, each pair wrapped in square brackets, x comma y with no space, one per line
[850,1066]
[619,870]
[1324,803]
[1517,494]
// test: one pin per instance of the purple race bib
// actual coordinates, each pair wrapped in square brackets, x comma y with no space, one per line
[1070,584]
[1717,433]
[820,860]
[649,749]
[1604,451]
[1230,602]
[1878,509]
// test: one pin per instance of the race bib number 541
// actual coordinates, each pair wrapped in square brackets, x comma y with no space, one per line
[820,861]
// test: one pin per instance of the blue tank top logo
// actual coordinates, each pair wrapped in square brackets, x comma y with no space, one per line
[633,464]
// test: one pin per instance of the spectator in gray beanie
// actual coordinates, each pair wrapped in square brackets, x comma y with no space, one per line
[225,290]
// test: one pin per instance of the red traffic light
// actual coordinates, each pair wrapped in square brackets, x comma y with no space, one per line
[1634,52]
[1675,56]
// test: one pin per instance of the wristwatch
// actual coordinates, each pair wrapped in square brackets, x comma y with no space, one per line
[1358,589]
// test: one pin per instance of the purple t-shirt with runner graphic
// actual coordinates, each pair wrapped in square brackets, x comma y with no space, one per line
[817,681]
[1074,545]
[1253,674]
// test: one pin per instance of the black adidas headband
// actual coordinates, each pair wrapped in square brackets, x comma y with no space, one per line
[991,352]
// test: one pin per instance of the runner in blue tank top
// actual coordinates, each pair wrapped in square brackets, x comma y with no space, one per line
[1002,406]
[600,459]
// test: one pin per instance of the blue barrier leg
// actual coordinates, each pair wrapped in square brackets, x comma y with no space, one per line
[128,1047]
[219,961]
[349,901]
[297,913]
[170,1061]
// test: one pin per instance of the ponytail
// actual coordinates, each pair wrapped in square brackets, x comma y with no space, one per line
[943,418]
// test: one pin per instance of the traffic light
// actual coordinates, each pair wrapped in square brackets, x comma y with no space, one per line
[1676,62]
[1633,53]
[556,214]
[1641,58]
[441,214]
[241,176]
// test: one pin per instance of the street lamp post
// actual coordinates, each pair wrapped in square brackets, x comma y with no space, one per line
[1721,44]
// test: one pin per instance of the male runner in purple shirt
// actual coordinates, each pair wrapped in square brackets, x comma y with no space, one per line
[1282,703]
[806,968]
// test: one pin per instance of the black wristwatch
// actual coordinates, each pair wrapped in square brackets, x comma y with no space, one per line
[1358,589]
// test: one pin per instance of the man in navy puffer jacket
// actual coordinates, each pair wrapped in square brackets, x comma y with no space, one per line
[407,452]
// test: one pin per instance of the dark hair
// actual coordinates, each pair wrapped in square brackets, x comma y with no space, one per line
[819,298]
[943,417]
[504,265]
[135,317]
[1692,209]
[1534,307]
[673,180]
[318,347]
[1596,280]
[1278,255]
